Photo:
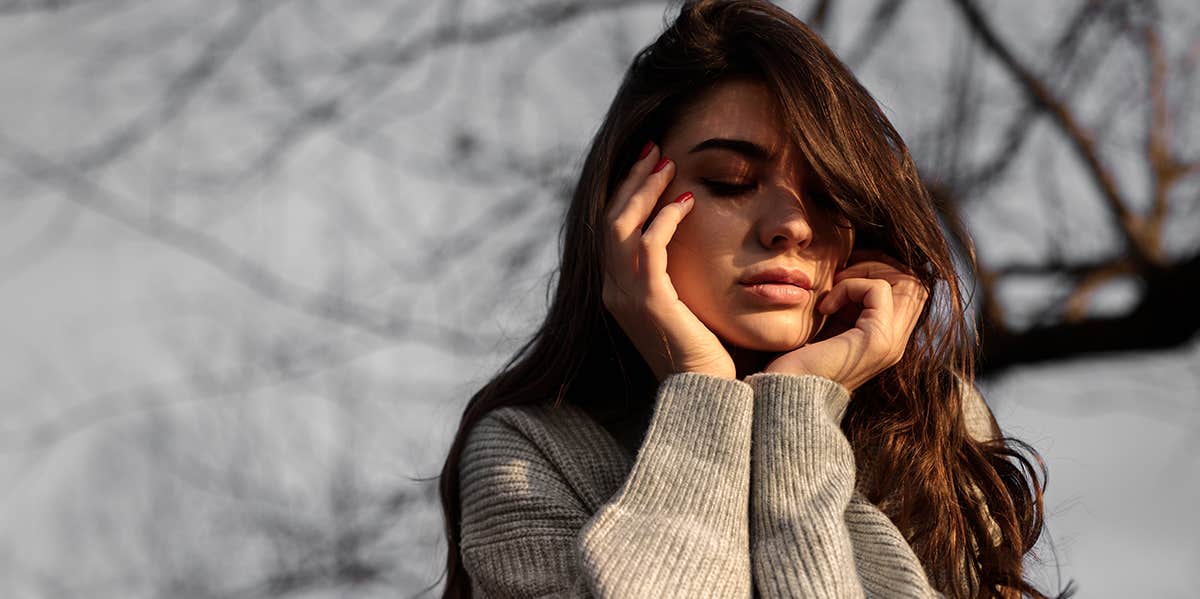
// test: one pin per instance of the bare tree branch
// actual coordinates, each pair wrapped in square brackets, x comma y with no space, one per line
[1077,304]
[819,14]
[1165,167]
[883,18]
[180,91]
[1163,318]
[1077,67]
[299,359]
[356,89]
[18,7]
[332,307]
[48,237]
[1082,141]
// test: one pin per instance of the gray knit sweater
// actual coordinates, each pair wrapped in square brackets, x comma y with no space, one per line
[738,487]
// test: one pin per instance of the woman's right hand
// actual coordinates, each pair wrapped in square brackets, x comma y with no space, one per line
[637,290]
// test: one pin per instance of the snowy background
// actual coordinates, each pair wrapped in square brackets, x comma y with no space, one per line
[255,256]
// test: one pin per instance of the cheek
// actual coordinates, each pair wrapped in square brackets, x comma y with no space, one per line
[687,252]
[699,256]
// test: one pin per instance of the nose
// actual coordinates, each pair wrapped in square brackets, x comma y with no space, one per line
[784,223]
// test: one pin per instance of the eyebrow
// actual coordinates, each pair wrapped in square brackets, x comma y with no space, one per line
[748,149]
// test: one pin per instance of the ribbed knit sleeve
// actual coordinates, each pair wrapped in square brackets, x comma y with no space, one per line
[811,534]
[520,514]
[677,526]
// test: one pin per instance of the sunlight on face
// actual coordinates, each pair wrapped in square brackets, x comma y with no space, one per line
[757,209]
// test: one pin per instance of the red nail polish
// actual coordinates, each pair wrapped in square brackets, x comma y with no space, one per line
[661,164]
[646,150]
[683,197]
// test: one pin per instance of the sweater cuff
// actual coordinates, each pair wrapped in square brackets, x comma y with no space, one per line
[830,394]
[680,524]
[705,414]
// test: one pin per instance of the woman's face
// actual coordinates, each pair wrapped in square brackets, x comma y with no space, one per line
[761,244]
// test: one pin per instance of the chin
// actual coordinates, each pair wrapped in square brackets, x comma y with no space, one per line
[773,332]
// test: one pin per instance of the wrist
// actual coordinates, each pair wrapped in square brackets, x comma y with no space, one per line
[719,368]
[788,364]
[770,389]
[849,380]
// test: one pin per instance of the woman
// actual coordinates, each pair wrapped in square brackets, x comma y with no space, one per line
[755,375]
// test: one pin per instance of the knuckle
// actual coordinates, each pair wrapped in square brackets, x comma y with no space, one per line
[658,308]
[649,307]
[647,242]
[612,208]
[642,196]
[622,224]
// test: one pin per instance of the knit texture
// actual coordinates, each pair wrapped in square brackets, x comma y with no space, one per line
[739,487]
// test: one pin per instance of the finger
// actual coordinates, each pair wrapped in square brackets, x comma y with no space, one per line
[625,227]
[636,210]
[909,291]
[872,294]
[621,260]
[620,266]
[866,270]
[836,324]
[864,254]
[874,269]
[872,264]
[637,173]
[653,247]
[909,299]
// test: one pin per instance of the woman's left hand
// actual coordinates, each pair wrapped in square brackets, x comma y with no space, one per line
[879,302]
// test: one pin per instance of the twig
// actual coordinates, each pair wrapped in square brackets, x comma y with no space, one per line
[1081,140]
[881,21]
[82,190]
[1081,295]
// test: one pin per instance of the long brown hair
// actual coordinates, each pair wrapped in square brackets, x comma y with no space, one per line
[971,510]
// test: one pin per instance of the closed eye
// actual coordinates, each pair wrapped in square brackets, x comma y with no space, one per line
[725,189]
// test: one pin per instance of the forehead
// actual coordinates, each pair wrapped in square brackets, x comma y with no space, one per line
[732,109]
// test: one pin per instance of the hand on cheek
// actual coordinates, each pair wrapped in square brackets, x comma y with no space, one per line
[871,311]
[832,325]
[638,290]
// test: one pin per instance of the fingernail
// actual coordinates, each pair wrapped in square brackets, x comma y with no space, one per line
[661,164]
[646,150]
[683,197]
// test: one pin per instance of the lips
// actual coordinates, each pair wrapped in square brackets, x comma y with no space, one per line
[778,286]
[779,276]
